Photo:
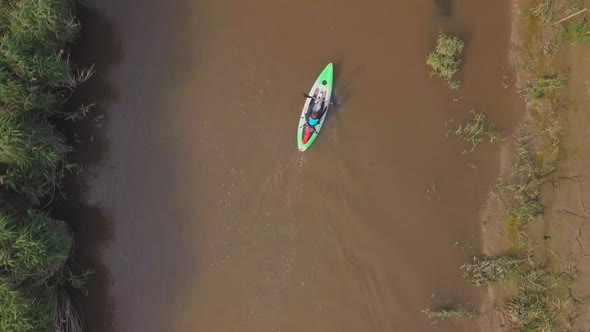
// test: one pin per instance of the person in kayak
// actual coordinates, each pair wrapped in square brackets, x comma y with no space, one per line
[315,116]
[314,119]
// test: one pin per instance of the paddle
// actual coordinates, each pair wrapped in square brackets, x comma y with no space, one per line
[316,98]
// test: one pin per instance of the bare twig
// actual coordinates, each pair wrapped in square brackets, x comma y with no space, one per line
[572,15]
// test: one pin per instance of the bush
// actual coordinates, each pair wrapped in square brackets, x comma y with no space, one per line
[483,271]
[40,25]
[537,307]
[18,96]
[32,63]
[541,86]
[20,311]
[474,131]
[578,32]
[40,68]
[36,247]
[31,156]
[444,61]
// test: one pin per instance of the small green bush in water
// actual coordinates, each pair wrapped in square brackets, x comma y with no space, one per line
[444,60]
[23,312]
[474,131]
[31,156]
[35,247]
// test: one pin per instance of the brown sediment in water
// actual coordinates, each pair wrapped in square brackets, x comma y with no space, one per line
[219,224]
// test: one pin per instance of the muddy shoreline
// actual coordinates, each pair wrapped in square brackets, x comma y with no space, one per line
[557,240]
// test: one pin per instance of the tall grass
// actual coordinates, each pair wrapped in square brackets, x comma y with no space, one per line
[539,88]
[17,95]
[33,58]
[33,247]
[577,32]
[444,61]
[32,156]
[520,193]
[35,77]
[482,271]
[36,33]
[23,311]
[540,301]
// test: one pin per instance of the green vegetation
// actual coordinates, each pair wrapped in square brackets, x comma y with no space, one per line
[520,193]
[32,155]
[22,311]
[474,131]
[447,312]
[34,247]
[540,301]
[577,32]
[539,88]
[543,300]
[33,62]
[444,61]
[35,78]
[482,271]
[541,297]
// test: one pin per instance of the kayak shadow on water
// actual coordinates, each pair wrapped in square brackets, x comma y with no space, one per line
[341,94]
[444,8]
[342,84]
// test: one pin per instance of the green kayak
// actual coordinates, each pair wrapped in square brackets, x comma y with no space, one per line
[315,109]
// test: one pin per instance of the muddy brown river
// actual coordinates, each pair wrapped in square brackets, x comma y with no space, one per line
[212,220]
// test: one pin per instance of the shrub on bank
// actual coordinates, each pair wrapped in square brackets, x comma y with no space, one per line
[32,155]
[34,247]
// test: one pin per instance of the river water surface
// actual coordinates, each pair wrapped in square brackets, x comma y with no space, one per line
[218,223]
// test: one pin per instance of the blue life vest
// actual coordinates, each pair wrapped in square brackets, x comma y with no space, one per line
[313,122]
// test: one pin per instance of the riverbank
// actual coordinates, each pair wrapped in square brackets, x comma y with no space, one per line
[537,213]
[36,78]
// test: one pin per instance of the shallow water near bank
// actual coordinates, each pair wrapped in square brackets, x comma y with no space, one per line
[218,223]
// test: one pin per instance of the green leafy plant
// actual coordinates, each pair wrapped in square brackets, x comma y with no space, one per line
[482,271]
[474,131]
[34,247]
[444,61]
[578,32]
[539,88]
[32,156]
[22,311]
